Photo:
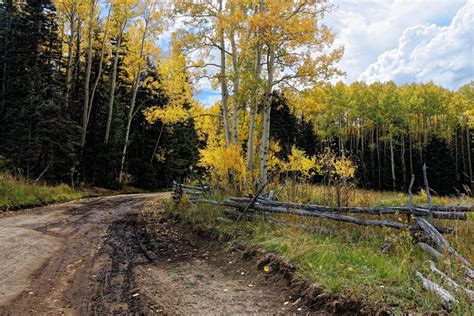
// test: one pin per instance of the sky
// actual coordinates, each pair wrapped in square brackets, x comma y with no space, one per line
[406,40]
[400,40]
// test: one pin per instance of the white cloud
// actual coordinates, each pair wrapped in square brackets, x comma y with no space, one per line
[368,28]
[209,97]
[442,54]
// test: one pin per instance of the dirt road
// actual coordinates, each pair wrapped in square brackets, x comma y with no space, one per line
[98,256]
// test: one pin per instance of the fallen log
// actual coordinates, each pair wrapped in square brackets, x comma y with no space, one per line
[450,282]
[451,208]
[361,210]
[193,187]
[253,199]
[433,252]
[326,215]
[447,298]
[331,216]
[439,240]
[443,244]
[189,192]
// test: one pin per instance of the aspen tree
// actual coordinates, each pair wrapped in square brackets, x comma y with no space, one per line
[87,102]
[150,22]
[207,20]
[98,77]
[295,45]
[123,12]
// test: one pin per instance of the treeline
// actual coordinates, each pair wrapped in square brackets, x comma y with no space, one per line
[391,131]
[87,97]
[75,79]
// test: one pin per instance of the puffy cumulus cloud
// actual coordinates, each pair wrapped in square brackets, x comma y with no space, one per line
[442,54]
[367,28]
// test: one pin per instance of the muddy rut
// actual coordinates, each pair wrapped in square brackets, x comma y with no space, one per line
[103,256]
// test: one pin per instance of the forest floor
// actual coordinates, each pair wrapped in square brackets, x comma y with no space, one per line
[104,256]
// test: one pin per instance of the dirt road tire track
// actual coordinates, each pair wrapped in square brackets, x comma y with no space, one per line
[103,256]
[54,260]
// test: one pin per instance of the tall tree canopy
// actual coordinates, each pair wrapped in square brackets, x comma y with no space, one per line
[89,96]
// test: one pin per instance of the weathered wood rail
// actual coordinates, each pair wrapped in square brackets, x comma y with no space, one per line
[334,214]
[181,189]
[420,220]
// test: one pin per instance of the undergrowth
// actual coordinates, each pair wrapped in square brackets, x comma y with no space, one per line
[16,193]
[346,259]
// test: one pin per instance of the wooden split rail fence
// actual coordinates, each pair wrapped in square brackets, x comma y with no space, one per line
[419,220]
[257,205]
[182,189]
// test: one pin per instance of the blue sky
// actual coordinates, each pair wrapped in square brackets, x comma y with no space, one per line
[399,40]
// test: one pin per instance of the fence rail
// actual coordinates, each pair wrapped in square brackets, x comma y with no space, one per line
[420,220]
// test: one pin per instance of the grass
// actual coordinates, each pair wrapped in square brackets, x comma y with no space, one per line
[348,259]
[16,193]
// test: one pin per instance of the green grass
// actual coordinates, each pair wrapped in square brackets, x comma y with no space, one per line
[319,194]
[16,193]
[348,260]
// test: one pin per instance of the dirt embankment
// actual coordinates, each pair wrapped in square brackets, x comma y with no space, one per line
[106,256]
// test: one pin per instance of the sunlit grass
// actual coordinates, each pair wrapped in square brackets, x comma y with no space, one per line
[18,193]
[324,195]
[347,259]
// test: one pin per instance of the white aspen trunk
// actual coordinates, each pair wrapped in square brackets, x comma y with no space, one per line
[392,161]
[236,81]
[378,156]
[69,63]
[113,86]
[402,156]
[253,108]
[341,138]
[469,161]
[223,81]
[456,154]
[99,71]
[136,85]
[77,59]
[88,77]
[127,128]
[410,145]
[264,155]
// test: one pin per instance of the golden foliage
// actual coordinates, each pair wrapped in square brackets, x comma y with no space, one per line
[175,86]
[225,165]
[299,162]
[337,168]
